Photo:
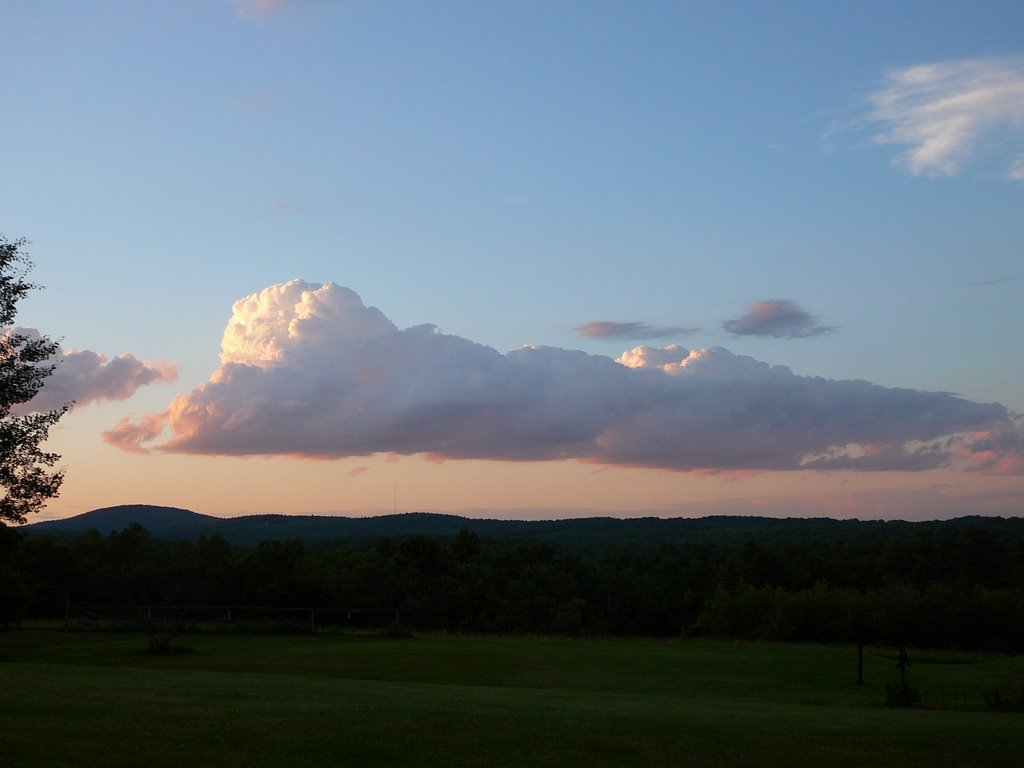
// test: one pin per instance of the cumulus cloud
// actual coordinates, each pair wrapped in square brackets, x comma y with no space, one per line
[943,113]
[606,329]
[653,357]
[83,377]
[779,318]
[309,370]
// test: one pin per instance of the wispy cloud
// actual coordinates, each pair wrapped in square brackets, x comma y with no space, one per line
[290,208]
[129,435]
[606,329]
[778,318]
[902,504]
[993,281]
[944,113]
[308,370]
[258,9]
[257,103]
[83,377]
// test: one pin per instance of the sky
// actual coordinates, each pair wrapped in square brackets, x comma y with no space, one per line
[525,260]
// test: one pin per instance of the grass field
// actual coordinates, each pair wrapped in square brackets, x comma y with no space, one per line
[92,699]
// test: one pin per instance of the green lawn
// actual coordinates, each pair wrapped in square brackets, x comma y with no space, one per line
[81,699]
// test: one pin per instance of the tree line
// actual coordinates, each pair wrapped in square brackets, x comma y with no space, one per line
[957,585]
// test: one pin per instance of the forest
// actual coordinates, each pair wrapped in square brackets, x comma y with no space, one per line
[955,584]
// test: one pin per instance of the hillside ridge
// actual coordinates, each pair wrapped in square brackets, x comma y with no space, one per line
[178,523]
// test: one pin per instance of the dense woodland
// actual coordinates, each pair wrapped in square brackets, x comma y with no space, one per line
[955,584]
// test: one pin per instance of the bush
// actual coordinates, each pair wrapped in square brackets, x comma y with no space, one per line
[900,693]
[1006,696]
[14,597]
[163,629]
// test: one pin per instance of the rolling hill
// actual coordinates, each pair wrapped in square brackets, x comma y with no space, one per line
[585,533]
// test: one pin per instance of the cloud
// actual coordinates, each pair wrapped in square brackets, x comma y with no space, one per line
[941,114]
[258,9]
[290,208]
[779,318]
[129,436]
[653,357]
[1016,172]
[900,504]
[84,377]
[308,370]
[606,329]
[257,103]
[994,453]
[993,281]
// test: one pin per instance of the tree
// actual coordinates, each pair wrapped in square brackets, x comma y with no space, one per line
[27,475]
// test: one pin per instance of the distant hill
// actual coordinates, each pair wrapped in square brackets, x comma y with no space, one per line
[584,533]
[175,523]
[166,522]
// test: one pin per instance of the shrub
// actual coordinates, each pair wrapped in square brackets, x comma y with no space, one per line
[1006,695]
[900,693]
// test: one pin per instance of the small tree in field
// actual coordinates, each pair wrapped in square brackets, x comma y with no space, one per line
[27,475]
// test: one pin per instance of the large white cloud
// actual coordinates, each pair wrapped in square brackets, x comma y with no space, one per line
[308,370]
[943,113]
[82,377]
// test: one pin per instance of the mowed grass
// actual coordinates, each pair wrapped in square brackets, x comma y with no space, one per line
[89,699]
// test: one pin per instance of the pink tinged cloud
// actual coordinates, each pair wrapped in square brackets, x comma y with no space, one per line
[129,436]
[993,452]
[779,318]
[308,370]
[82,377]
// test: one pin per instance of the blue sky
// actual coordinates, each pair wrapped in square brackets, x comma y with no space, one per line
[512,171]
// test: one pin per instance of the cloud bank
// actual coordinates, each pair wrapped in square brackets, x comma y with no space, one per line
[779,318]
[606,329]
[308,370]
[83,377]
[944,113]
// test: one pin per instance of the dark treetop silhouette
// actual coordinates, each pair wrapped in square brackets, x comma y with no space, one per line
[27,475]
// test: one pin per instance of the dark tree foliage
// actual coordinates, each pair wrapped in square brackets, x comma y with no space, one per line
[27,475]
[953,585]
